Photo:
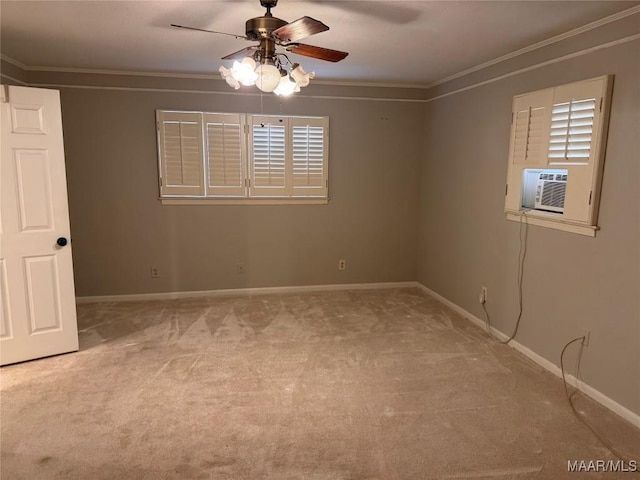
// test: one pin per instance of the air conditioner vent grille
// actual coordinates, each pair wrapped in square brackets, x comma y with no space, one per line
[553,194]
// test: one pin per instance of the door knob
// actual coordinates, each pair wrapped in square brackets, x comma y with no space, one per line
[62,241]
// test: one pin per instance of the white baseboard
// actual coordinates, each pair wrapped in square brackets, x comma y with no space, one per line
[244,291]
[598,396]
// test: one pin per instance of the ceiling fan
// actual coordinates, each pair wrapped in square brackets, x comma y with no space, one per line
[262,65]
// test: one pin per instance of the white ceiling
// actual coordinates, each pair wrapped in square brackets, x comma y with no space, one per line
[400,42]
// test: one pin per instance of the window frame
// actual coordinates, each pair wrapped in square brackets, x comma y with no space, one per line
[248,191]
[584,182]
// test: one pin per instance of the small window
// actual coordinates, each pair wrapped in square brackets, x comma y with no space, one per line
[556,155]
[240,158]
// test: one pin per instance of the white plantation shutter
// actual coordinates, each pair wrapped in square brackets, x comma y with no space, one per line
[224,135]
[180,147]
[574,144]
[572,131]
[530,130]
[528,134]
[529,140]
[309,155]
[268,152]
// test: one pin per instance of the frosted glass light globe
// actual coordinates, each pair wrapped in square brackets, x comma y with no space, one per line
[243,71]
[228,76]
[301,77]
[286,86]
[268,77]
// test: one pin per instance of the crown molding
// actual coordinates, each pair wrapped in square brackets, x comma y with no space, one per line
[13,62]
[544,43]
[231,92]
[203,76]
[90,71]
[569,56]
[13,79]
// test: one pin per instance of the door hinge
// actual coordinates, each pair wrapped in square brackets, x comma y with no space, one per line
[326,183]
[590,195]
[246,129]
[161,182]
[513,114]
[247,182]
[601,98]
[506,189]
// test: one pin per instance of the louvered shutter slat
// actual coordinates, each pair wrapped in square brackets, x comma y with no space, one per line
[224,134]
[308,156]
[528,140]
[181,159]
[269,156]
[572,130]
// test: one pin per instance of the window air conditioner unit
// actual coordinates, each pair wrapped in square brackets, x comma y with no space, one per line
[550,191]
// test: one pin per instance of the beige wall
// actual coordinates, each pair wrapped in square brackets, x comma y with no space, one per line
[120,229]
[571,282]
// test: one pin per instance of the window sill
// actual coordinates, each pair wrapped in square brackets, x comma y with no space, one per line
[244,201]
[543,220]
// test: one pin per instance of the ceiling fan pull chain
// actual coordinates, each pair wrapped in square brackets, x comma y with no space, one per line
[261,103]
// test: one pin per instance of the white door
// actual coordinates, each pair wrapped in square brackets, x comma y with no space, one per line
[38,311]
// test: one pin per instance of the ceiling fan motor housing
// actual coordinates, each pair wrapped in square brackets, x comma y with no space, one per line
[261,27]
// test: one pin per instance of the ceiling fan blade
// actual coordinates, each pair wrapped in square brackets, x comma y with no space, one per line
[316,52]
[245,52]
[209,31]
[301,28]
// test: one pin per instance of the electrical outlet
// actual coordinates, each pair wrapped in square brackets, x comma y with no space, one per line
[155,273]
[240,268]
[342,264]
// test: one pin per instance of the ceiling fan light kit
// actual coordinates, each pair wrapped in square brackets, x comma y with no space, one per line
[240,73]
[265,67]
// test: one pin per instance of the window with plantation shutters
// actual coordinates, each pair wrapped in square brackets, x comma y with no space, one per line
[268,156]
[556,155]
[224,136]
[241,158]
[309,147]
[180,146]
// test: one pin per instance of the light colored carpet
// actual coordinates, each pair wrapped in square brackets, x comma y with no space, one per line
[359,385]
